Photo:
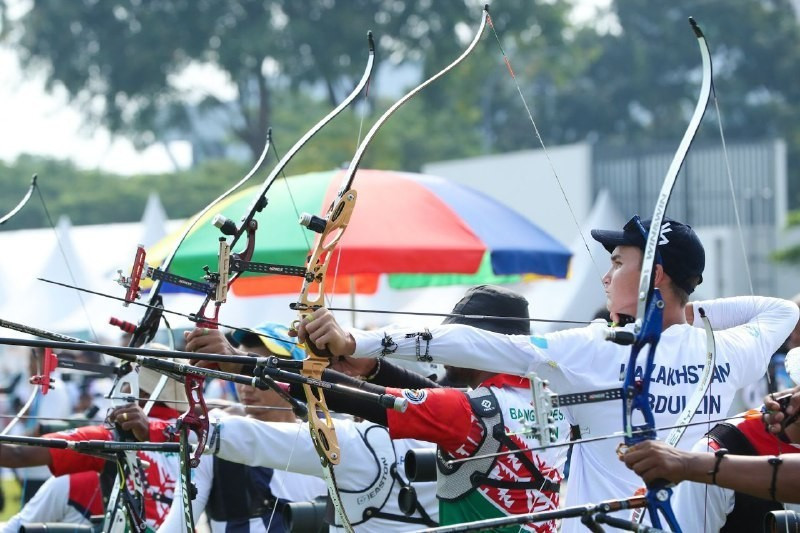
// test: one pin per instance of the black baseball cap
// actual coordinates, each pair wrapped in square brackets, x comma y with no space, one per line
[682,253]
[492,300]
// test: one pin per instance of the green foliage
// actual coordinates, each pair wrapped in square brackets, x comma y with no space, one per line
[643,83]
[640,84]
[793,219]
[117,59]
[291,61]
[789,255]
[12,492]
[93,197]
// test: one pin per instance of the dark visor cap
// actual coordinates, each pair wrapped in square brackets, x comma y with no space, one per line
[682,254]
[492,300]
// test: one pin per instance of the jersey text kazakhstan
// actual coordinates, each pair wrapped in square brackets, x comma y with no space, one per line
[683,374]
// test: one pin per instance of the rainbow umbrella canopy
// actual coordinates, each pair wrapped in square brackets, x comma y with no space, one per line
[403,224]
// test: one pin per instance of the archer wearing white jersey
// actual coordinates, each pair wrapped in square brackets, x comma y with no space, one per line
[748,330]
[370,476]
[243,497]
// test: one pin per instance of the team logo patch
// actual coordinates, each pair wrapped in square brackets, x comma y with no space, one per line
[539,342]
[754,332]
[415,396]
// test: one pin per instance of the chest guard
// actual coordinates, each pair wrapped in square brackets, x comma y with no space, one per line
[370,501]
[456,481]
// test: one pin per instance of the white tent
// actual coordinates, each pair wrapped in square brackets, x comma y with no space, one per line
[41,303]
[86,256]
[94,253]
[154,221]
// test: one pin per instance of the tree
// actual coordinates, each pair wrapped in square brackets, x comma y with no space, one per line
[118,59]
[639,84]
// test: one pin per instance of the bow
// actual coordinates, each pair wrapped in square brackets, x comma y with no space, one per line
[331,228]
[29,402]
[230,266]
[50,362]
[649,312]
[146,330]
[647,325]
[193,420]
[8,216]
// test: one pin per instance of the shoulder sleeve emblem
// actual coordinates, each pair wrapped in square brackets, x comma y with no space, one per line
[539,342]
[415,396]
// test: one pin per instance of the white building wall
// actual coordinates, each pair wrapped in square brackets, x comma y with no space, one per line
[525,182]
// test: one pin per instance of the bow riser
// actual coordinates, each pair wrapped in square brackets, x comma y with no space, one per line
[312,293]
[195,419]
[637,391]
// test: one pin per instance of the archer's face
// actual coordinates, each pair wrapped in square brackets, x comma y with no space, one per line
[622,281]
[459,377]
[254,400]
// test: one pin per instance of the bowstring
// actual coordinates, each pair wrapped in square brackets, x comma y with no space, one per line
[286,468]
[740,232]
[338,250]
[66,262]
[545,151]
[292,200]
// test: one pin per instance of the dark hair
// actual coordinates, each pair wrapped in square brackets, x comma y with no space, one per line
[603,313]
[249,339]
[680,292]
[231,339]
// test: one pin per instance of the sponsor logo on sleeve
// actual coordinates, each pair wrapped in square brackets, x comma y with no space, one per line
[415,396]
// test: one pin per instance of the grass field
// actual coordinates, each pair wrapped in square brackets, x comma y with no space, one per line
[11,490]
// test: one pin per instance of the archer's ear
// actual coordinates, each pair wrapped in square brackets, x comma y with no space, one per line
[659,277]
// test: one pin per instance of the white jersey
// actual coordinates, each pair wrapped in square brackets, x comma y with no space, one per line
[285,485]
[55,404]
[288,446]
[49,504]
[748,330]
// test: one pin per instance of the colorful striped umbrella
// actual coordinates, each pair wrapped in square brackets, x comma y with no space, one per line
[403,223]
